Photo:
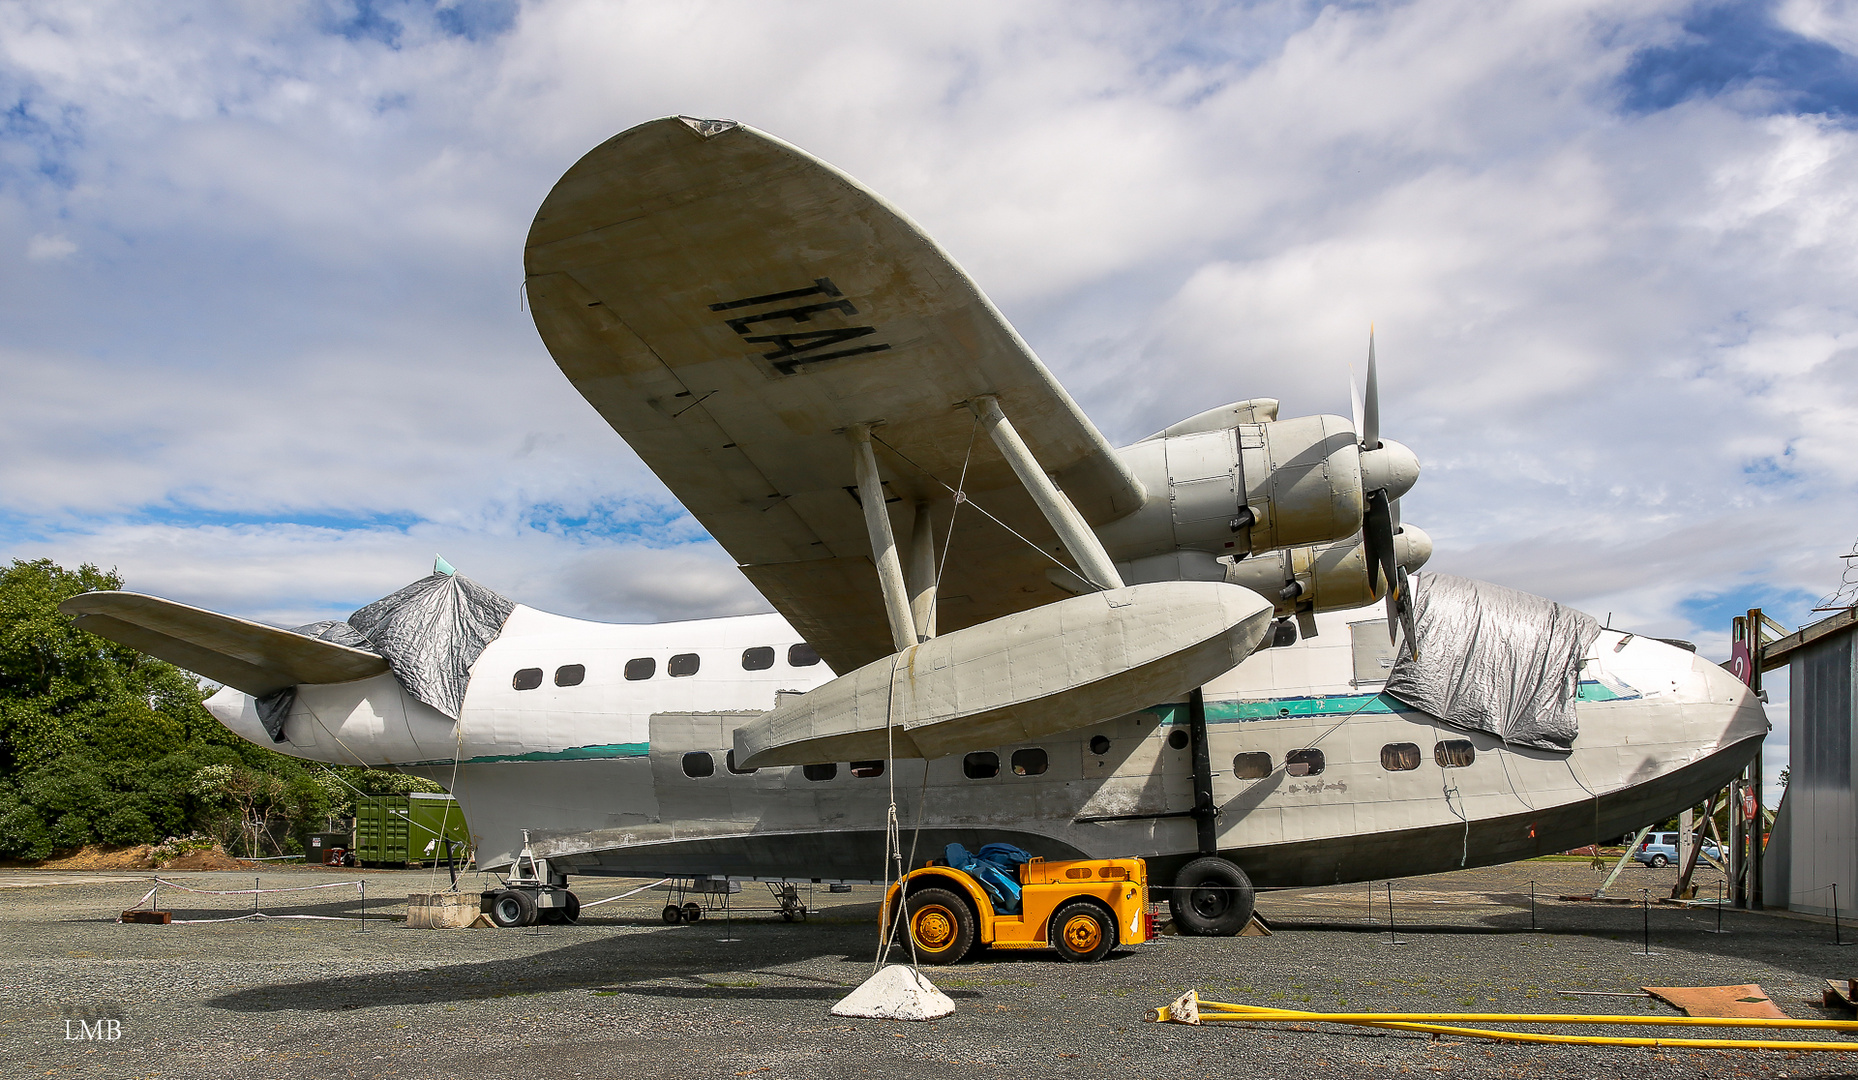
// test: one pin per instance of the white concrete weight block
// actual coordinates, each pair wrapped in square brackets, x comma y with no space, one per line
[895,993]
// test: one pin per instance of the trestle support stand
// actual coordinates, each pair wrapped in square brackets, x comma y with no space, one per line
[531,894]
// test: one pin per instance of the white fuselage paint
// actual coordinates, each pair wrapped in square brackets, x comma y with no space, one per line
[597,773]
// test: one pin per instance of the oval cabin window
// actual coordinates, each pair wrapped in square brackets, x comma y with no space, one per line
[642,668]
[698,764]
[729,762]
[1253,766]
[1400,757]
[801,655]
[1029,762]
[684,663]
[759,658]
[820,772]
[865,770]
[1303,762]
[527,679]
[1099,745]
[570,674]
[981,765]
[1454,753]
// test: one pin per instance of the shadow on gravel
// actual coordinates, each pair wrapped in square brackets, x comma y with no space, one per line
[709,992]
[607,965]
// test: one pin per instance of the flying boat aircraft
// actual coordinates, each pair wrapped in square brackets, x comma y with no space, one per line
[985,612]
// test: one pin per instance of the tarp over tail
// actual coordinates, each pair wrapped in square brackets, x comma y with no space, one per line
[1495,660]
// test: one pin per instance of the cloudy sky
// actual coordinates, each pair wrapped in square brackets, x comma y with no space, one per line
[263,347]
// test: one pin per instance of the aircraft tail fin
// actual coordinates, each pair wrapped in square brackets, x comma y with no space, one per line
[247,656]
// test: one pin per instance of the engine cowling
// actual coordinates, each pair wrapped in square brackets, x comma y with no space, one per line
[1242,490]
[1324,577]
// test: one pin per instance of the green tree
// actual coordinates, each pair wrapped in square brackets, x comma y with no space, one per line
[99,743]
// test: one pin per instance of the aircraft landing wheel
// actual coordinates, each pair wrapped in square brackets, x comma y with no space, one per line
[1212,897]
[512,908]
[673,914]
[941,924]
[1081,932]
[692,913]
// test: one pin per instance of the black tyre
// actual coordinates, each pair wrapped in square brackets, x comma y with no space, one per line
[1212,897]
[673,914]
[941,924]
[692,913]
[565,914]
[512,907]
[1082,932]
[1659,862]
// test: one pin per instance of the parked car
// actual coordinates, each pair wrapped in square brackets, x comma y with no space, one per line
[1660,849]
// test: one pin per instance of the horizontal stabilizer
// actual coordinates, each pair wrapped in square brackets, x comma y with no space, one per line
[1023,676]
[247,656]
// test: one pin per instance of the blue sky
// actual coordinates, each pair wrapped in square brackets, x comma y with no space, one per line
[264,347]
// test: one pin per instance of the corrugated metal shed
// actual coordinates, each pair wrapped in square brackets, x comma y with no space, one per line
[1818,823]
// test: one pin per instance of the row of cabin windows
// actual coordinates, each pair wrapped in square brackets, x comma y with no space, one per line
[759,658]
[977,766]
[1032,761]
[1395,757]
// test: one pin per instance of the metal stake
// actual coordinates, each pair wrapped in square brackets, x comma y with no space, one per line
[1645,905]
[1392,938]
[363,886]
[255,894]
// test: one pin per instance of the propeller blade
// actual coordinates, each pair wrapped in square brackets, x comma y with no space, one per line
[1406,615]
[1378,537]
[1354,401]
[1371,404]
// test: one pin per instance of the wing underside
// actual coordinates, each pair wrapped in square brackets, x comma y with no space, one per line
[732,306]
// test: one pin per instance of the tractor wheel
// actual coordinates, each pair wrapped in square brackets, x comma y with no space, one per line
[1082,932]
[941,924]
[512,907]
[1212,897]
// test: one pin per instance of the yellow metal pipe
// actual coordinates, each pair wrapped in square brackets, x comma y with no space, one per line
[1535,1018]
[1574,1040]
[1428,1023]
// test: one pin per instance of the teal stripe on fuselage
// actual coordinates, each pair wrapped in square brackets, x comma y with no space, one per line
[572,753]
[1239,712]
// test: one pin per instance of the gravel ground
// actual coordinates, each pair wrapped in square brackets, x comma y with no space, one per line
[622,994]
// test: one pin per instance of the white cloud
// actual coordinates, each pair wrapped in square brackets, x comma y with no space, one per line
[46,247]
[291,364]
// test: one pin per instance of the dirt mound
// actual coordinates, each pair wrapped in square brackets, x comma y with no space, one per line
[98,857]
[215,859]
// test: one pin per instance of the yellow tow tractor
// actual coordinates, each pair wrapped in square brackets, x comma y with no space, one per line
[1081,908]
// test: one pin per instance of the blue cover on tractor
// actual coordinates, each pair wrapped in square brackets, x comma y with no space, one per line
[996,868]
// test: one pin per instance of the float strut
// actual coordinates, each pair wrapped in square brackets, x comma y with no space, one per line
[883,542]
[1073,531]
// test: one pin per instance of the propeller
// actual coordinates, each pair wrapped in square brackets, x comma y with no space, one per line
[1388,471]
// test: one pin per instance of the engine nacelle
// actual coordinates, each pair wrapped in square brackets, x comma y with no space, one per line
[1325,577]
[1242,490]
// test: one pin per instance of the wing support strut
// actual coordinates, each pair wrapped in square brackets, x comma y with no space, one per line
[921,579]
[1073,531]
[883,541]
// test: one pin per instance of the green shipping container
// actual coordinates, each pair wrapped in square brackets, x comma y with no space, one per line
[393,830]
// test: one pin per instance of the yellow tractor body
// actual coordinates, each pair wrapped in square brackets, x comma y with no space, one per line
[1081,908]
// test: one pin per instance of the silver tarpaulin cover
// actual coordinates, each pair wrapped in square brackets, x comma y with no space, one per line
[431,632]
[1495,660]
